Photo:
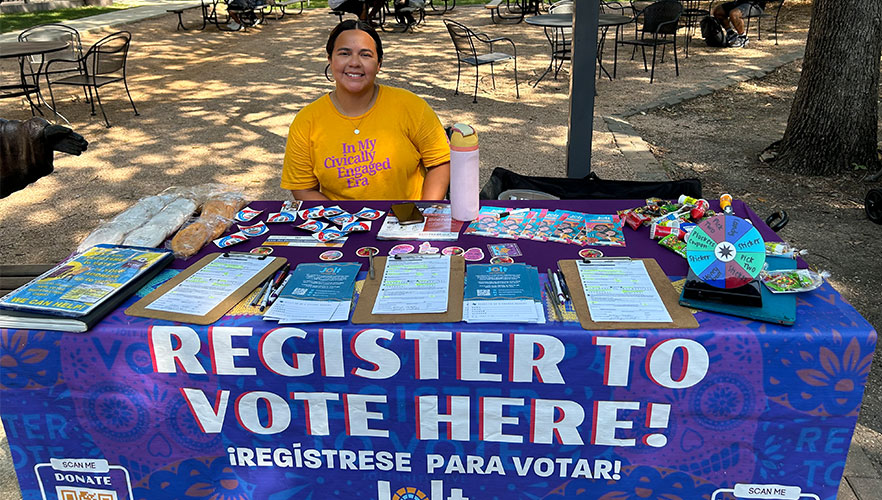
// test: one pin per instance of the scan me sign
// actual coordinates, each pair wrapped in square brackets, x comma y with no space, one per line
[82,479]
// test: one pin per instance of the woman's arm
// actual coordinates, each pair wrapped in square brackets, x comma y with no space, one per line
[436,182]
[308,194]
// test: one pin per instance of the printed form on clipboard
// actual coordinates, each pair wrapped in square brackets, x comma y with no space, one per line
[621,291]
[205,289]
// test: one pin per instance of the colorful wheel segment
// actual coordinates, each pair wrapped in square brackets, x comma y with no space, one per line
[726,251]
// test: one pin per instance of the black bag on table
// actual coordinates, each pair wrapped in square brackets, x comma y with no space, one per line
[589,187]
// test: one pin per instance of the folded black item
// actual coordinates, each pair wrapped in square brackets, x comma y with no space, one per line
[589,187]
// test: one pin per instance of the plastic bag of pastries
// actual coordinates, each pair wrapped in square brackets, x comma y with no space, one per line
[217,215]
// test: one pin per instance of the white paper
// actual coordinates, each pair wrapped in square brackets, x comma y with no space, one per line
[208,287]
[500,311]
[621,291]
[288,311]
[414,286]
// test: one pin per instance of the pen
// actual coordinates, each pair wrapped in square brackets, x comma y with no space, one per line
[266,296]
[558,289]
[259,294]
[550,295]
[282,275]
[555,285]
[500,215]
[414,256]
[563,284]
[278,291]
[371,272]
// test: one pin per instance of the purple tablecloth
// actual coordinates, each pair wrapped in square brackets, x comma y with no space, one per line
[246,409]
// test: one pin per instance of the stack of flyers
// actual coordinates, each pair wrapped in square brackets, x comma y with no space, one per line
[567,225]
[315,293]
[486,223]
[512,225]
[502,294]
[603,230]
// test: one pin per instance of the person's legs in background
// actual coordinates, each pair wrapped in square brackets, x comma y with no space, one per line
[732,19]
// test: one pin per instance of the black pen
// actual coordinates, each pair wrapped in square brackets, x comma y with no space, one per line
[563,284]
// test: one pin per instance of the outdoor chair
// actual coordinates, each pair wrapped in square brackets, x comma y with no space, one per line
[466,43]
[758,13]
[103,63]
[660,21]
[66,61]
[417,9]
[692,15]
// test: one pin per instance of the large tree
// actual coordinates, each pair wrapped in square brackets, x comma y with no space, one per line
[834,118]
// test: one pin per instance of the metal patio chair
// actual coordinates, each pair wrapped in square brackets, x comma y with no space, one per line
[103,63]
[466,41]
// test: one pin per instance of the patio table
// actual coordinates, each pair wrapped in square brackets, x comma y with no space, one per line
[21,50]
[554,25]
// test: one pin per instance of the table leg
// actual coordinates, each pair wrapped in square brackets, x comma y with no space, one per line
[551,62]
[601,41]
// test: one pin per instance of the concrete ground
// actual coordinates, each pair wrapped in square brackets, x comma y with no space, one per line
[619,153]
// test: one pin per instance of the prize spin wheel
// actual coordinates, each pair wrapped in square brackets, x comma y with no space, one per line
[726,251]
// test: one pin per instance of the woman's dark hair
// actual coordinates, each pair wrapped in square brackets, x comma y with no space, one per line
[354,24]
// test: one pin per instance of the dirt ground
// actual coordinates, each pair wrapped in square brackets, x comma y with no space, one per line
[216,107]
[718,138]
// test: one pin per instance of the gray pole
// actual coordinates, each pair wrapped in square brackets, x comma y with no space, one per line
[582,79]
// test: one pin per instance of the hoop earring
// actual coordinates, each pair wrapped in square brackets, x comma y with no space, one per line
[326,73]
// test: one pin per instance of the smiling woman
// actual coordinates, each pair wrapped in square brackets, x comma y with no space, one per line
[364,140]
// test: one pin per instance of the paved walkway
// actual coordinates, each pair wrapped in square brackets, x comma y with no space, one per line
[860,481]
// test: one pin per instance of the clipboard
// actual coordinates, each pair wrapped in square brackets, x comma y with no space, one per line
[140,308]
[371,288]
[681,316]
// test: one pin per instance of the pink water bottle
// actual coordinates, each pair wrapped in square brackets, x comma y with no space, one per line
[464,172]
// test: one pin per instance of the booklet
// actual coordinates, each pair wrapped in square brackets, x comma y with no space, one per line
[316,293]
[502,294]
[77,293]
[438,225]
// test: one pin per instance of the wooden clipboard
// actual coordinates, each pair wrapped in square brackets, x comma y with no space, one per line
[140,308]
[682,317]
[371,288]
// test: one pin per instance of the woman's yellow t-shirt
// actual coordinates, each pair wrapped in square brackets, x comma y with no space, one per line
[399,137]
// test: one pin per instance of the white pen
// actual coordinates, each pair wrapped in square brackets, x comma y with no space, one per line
[556,285]
[512,212]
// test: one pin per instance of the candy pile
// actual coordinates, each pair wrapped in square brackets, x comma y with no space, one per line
[669,222]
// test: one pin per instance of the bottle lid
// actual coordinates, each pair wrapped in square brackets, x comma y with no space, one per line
[463,138]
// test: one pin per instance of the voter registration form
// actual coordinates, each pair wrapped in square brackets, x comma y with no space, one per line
[621,291]
[414,285]
[208,287]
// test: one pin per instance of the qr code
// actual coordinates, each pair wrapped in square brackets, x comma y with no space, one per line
[76,493]
[300,291]
[483,293]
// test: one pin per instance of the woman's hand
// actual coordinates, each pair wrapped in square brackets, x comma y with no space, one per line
[436,182]
[308,194]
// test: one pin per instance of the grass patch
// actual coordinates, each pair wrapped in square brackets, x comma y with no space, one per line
[15,21]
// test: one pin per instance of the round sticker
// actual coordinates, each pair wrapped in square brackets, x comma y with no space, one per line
[590,253]
[367,251]
[400,249]
[262,250]
[453,251]
[473,254]
[501,260]
[331,255]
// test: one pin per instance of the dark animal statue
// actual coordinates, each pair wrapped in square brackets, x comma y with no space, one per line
[27,149]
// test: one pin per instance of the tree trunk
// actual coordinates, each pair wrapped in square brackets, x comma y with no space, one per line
[834,118]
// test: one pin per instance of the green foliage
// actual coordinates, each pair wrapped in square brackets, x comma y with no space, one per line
[856,167]
[15,21]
